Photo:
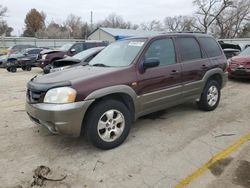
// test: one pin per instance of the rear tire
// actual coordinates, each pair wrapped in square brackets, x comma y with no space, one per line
[13,69]
[108,124]
[24,68]
[210,96]
[28,68]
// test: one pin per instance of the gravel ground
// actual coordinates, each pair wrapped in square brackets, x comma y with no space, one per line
[161,149]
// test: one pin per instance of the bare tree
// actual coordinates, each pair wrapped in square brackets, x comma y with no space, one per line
[73,24]
[53,31]
[208,11]
[4,28]
[230,22]
[154,25]
[3,11]
[116,21]
[179,23]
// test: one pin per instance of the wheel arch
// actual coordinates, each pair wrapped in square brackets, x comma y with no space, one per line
[122,93]
[215,74]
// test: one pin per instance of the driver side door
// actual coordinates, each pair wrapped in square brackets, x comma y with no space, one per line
[160,87]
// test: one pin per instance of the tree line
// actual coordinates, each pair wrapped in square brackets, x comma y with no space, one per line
[221,18]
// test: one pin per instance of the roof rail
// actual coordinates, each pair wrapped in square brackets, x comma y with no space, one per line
[199,32]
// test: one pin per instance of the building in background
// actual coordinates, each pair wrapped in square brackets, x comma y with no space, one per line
[113,34]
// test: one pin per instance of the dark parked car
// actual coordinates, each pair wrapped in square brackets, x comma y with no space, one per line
[26,58]
[229,49]
[47,57]
[239,66]
[81,58]
[127,80]
[18,48]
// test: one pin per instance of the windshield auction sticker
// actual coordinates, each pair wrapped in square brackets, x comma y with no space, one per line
[136,43]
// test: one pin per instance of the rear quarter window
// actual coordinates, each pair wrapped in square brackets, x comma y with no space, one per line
[210,46]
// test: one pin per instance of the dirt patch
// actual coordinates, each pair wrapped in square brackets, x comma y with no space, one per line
[242,174]
[41,174]
[219,166]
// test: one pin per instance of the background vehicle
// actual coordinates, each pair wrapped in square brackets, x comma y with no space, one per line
[229,53]
[81,58]
[127,80]
[239,66]
[24,60]
[47,57]
[19,48]
[29,54]
[230,50]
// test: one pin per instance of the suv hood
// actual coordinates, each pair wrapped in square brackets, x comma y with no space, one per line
[50,51]
[241,59]
[73,74]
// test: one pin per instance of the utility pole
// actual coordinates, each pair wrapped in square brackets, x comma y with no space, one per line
[91,20]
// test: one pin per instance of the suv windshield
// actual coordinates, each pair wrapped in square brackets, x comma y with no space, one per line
[65,47]
[118,54]
[245,52]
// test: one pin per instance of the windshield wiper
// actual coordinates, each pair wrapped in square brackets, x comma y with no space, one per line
[100,65]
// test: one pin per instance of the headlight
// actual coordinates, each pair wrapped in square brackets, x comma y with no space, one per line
[44,56]
[60,95]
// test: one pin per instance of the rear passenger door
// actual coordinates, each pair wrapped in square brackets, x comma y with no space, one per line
[194,64]
[160,87]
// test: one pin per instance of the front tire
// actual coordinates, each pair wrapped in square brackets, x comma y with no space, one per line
[108,124]
[210,96]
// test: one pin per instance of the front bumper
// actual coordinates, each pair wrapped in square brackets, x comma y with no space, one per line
[59,118]
[239,73]
[42,63]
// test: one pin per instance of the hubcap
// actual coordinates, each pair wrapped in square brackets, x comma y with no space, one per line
[212,96]
[111,125]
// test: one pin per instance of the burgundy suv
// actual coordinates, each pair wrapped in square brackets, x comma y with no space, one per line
[128,79]
[47,57]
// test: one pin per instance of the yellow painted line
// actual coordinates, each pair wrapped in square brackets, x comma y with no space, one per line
[221,155]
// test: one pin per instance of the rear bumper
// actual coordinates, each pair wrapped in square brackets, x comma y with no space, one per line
[59,118]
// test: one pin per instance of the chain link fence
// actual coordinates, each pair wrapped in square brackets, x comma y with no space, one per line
[7,42]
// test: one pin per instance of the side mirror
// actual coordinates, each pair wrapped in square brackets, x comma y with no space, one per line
[73,50]
[150,63]
[26,54]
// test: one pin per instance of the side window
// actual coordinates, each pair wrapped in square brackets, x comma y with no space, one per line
[189,48]
[78,47]
[36,51]
[90,45]
[163,49]
[210,46]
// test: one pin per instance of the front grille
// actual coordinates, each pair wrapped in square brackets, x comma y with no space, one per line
[35,96]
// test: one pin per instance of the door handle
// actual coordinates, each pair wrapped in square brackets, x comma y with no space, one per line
[174,72]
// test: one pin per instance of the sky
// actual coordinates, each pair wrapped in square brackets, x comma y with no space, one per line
[136,11]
